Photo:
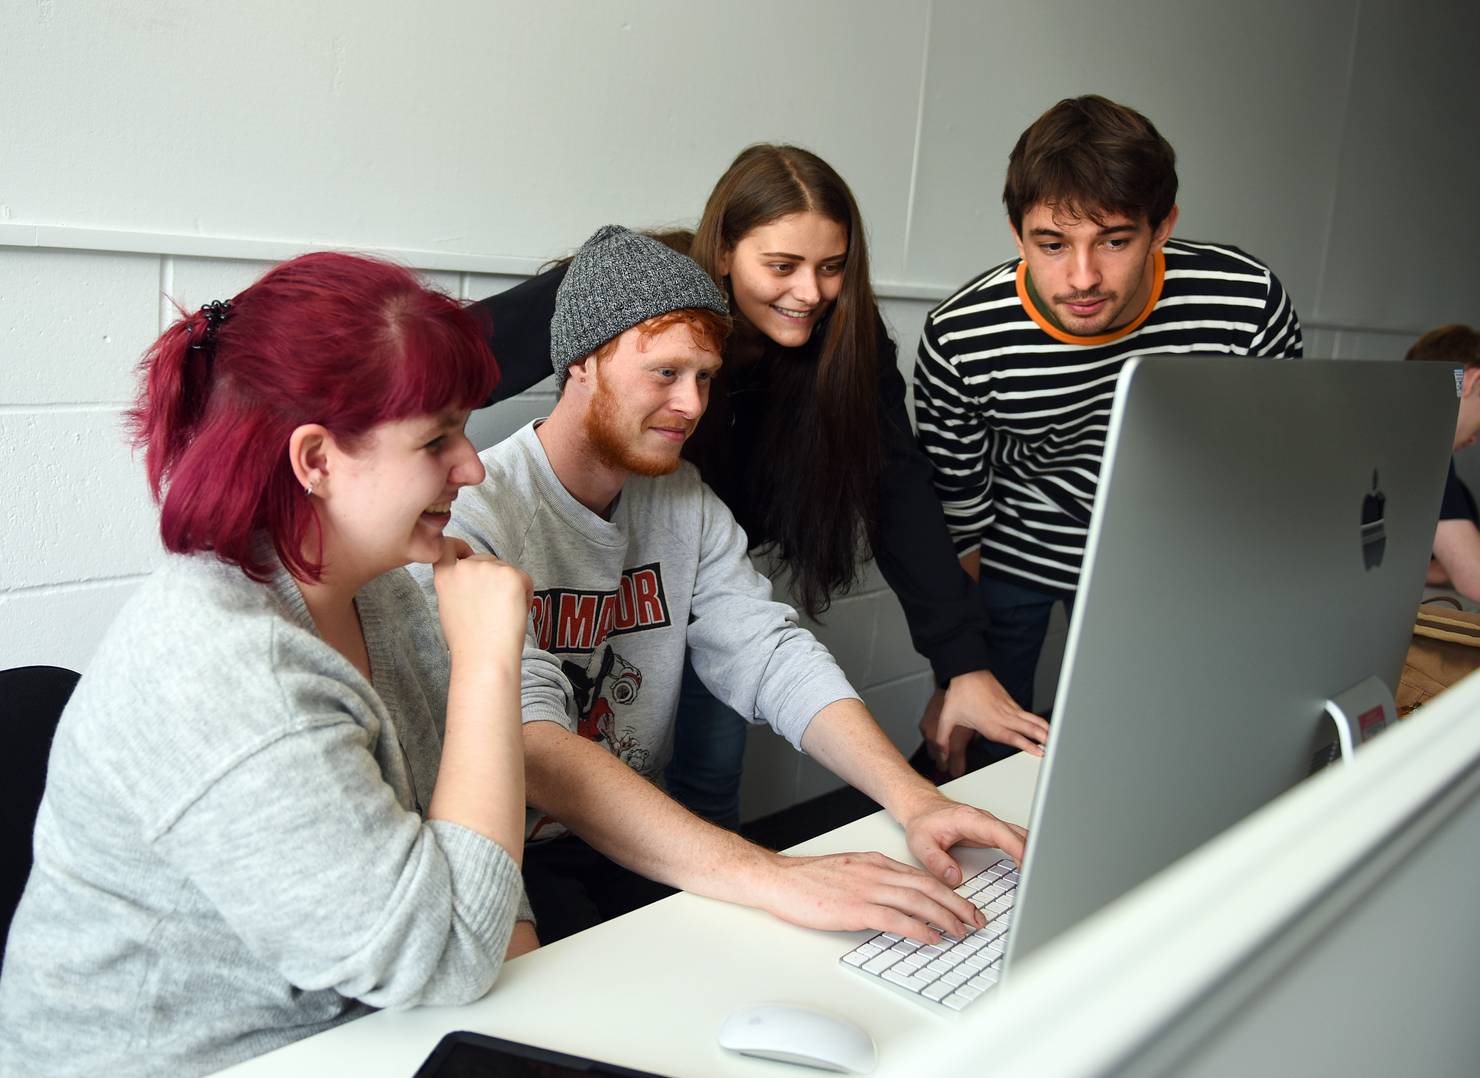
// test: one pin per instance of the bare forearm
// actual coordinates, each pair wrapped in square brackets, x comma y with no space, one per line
[630,820]
[1457,550]
[480,779]
[845,739]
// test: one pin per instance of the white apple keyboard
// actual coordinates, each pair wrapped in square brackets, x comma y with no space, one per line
[947,976]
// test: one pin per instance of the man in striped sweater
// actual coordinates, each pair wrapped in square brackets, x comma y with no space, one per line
[1017,370]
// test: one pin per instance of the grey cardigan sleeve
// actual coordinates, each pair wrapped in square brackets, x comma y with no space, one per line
[307,854]
[746,647]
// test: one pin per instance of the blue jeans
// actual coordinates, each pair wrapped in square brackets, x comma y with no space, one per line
[708,752]
[1017,624]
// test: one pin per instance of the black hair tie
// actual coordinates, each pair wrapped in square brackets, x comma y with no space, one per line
[215,313]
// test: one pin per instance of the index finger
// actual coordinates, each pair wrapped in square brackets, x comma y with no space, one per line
[1012,843]
[978,828]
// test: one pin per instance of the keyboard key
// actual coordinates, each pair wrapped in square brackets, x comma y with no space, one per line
[985,979]
[904,980]
[956,1001]
[937,991]
[853,958]
[879,963]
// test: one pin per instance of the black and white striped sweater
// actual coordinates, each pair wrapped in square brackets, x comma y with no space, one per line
[1013,412]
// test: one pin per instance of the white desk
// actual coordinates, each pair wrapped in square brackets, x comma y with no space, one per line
[650,989]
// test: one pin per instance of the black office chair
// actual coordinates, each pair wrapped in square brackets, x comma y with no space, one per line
[31,702]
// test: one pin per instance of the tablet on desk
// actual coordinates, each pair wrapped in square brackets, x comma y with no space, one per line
[474,1055]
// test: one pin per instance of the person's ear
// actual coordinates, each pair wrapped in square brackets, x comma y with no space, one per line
[580,376]
[309,451]
[725,258]
[1017,239]
[1470,382]
[1163,231]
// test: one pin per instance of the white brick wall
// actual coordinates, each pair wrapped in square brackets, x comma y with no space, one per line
[125,176]
[79,529]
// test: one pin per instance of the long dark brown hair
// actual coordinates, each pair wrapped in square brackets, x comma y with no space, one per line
[820,451]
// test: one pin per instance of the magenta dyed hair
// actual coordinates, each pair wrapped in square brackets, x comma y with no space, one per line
[341,340]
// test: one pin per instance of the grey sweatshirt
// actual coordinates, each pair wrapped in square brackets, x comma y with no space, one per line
[231,854]
[617,602]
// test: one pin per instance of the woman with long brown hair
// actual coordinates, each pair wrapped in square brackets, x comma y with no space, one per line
[806,439]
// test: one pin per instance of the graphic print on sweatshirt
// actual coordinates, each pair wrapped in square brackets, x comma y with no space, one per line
[575,625]
[570,621]
[600,699]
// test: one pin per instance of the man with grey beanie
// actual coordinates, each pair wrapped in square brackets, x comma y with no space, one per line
[635,560]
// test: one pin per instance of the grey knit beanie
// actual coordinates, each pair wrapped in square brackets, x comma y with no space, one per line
[617,279]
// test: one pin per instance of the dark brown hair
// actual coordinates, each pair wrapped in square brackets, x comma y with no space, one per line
[1088,156]
[820,449]
[1453,343]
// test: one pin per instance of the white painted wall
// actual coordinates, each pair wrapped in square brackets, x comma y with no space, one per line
[177,147]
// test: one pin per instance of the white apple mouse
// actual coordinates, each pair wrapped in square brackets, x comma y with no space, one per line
[796,1034]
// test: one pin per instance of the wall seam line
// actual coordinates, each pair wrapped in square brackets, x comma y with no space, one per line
[1330,230]
[909,207]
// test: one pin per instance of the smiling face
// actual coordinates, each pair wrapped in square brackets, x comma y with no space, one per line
[385,502]
[786,274]
[645,397]
[1094,278]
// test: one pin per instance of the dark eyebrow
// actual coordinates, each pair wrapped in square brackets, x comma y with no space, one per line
[799,258]
[1052,233]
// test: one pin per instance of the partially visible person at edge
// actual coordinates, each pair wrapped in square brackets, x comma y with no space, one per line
[807,441]
[1017,370]
[1456,560]
[279,797]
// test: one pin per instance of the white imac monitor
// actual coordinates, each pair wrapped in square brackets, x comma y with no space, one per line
[1331,933]
[1257,549]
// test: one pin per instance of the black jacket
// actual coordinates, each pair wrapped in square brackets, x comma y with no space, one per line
[914,551]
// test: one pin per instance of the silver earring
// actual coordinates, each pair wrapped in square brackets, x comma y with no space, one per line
[308,489]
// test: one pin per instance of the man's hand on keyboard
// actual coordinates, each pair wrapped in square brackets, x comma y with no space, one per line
[852,891]
[938,826]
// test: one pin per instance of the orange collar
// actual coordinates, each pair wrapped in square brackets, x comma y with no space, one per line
[1159,269]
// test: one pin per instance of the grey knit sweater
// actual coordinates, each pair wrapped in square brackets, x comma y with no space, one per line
[231,853]
[617,602]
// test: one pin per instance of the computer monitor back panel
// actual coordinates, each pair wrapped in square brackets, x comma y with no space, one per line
[1229,589]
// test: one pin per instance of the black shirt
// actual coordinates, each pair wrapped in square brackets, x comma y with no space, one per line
[1458,503]
[913,548]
